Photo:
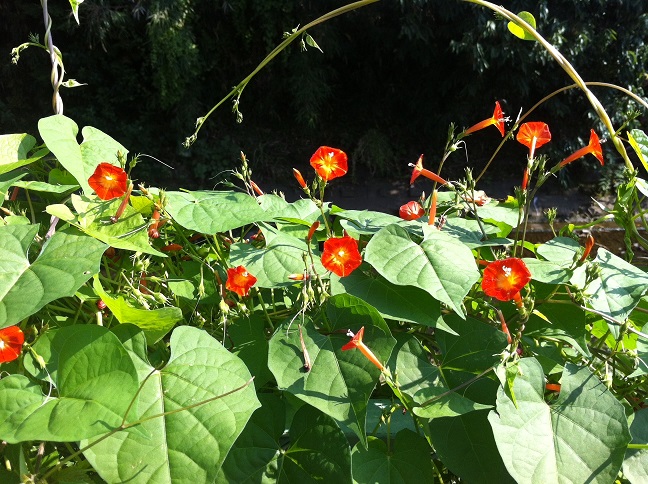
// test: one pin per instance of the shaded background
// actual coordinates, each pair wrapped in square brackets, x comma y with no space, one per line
[391,78]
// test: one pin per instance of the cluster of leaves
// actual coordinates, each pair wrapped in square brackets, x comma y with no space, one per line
[203,336]
[252,292]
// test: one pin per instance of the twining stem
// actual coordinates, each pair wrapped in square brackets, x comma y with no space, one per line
[567,67]
[238,89]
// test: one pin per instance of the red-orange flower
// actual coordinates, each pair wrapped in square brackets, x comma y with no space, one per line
[329,163]
[11,341]
[239,280]
[411,211]
[420,171]
[108,181]
[497,120]
[533,135]
[503,279]
[356,342]
[341,255]
[593,147]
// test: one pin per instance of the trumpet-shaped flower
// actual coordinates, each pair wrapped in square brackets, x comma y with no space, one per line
[329,163]
[497,120]
[411,211]
[593,147]
[341,255]
[299,178]
[108,181]
[503,279]
[356,342]
[11,341]
[239,280]
[420,171]
[533,135]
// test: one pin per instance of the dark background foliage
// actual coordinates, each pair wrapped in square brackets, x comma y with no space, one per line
[391,78]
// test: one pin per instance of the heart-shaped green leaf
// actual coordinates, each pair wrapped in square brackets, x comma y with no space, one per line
[206,397]
[339,383]
[210,212]
[521,32]
[60,136]
[96,382]
[14,151]
[441,266]
[581,437]
[128,233]
[66,261]
[408,460]
[564,322]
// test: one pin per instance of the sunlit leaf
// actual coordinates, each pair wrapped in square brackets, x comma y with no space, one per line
[639,142]
[190,445]
[581,437]
[14,151]
[439,265]
[66,261]
[635,464]
[521,32]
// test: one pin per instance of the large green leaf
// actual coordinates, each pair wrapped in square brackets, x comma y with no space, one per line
[619,288]
[401,303]
[14,151]
[317,451]
[635,464]
[155,323]
[96,382]
[422,381]
[66,261]
[469,232]
[60,136]
[441,266]
[189,445]
[43,187]
[476,349]
[581,437]
[339,383]
[407,461]
[367,222]
[6,182]
[210,212]
[128,233]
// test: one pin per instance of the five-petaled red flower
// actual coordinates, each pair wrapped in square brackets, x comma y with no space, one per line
[341,255]
[503,279]
[11,341]
[356,342]
[593,147]
[420,171]
[533,135]
[108,181]
[497,120]
[239,280]
[329,163]
[411,211]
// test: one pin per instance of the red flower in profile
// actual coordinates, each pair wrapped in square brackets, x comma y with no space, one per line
[239,280]
[108,181]
[356,342]
[11,341]
[593,147]
[341,255]
[497,120]
[411,211]
[533,135]
[503,279]
[329,163]
[420,171]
